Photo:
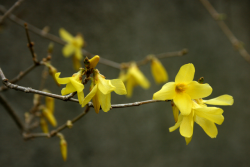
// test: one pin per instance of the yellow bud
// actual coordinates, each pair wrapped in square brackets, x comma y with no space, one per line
[94,61]
[50,103]
[175,111]
[63,145]
[36,99]
[69,124]
[50,117]
[44,125]
[158,71]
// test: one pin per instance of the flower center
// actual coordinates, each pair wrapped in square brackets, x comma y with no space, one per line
[180,88]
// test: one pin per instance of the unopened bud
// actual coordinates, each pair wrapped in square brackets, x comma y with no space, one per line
[201,80]
[69,124]
[50,117]
[94,61]
[63,145]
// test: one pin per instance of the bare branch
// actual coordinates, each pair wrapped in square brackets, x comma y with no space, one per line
[235,42]
[7,13]
[12,113]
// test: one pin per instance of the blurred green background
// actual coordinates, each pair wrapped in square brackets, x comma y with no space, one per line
[123,31]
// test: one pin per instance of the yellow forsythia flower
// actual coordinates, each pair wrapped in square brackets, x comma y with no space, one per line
[135,77]
[50,117]
[158,71]
[74,84]
[44,125]
[204,116]
[73,46]
[63,146]
[94,61]
[183,90]
[101,92]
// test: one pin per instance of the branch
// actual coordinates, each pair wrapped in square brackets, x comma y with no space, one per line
[12,113]
[7,13]
[235,42]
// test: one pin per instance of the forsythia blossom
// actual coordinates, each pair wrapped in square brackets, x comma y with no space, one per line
[183,90]
[133,78]
[101,92]
[158,71]
[204,116]
[74,84]
[73,46]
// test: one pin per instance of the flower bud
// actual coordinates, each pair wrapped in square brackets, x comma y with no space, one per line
[50,117]
[94,61]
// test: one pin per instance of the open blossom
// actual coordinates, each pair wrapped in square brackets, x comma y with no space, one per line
[133,78]
[183,89]
[158,71]
[204,116]
[73,46]
[101,92]
[74,84]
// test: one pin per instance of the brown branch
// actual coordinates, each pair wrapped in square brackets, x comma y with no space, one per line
[7,13]
[12,113]
[235,42]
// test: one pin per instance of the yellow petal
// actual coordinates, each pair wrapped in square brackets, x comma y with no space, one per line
[158,71]
[175,111]
[50,103]
[104,85]
[68,50]
[208,126]
[50,117]
[139,77]
[44,125]
[185,74]
[76,63]
[79,40]
[221,100]
[186,127]
[61,80]
[96,102]
[65,35]
[63,146]
[213,114]
[196,90]
[130,86]
[177,125]
[188,140]
[119,86]
[68,89]
[78,85]
[104,100]
[91,94]
[78,53]
[94,61]
[123,76]
[183,102]
[80,96]
[167,92]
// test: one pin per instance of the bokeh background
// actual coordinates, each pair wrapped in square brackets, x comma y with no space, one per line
[123,31]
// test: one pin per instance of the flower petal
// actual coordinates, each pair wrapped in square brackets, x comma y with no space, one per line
[213,114]
[177,125]
[186,127]
[119,86]
[68,50]
[167,92]
[175,111]
[68,89]
[91,94]
[185,74]
[80,96]
[104,85]
[96,103]
[183,102]
[188,140]
[130,86]
[78,53]
[104,100]
[65,35]
[138,76]
[208,126]
[196,90]
[61,80]
[78,86]
[221,100]
[158,71]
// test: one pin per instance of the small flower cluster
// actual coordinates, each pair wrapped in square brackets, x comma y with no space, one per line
[186,96]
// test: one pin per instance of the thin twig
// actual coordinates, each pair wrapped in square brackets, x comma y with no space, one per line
[7,13]
[12,113]
[238,45]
